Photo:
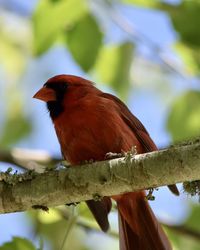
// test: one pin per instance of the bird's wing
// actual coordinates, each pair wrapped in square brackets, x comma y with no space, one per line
[138,129]
[134,124]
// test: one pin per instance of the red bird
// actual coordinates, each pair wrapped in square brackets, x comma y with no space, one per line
[89,124]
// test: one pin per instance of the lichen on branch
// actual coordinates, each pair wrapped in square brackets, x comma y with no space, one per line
[179,163]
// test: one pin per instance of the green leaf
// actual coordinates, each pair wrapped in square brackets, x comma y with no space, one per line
[14,129]
[186,20]
[194,218]
[190,57]
[47,218]
[52,18]
[84,41]
[181,241]
[18,244]
[113,67]
[184,120]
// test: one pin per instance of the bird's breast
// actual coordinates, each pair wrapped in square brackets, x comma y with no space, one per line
[89,133]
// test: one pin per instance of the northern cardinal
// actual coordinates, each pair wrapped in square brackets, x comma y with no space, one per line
[89,124]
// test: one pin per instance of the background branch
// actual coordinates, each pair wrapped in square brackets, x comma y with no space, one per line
[29,159]
[182,229]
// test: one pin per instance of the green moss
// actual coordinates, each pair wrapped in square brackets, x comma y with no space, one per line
[150,195]
[97,197]
[128,156]
[192,187]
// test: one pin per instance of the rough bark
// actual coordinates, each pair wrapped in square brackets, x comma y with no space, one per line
[91,181]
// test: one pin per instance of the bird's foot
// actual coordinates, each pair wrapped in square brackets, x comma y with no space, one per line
[111,155]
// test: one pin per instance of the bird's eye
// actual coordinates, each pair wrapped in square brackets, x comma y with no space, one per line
[64,86]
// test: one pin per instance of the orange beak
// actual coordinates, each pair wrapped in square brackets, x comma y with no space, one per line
[45,94]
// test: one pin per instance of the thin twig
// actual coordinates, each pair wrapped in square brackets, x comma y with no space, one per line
[85,222]
[89,224]
[71,222]
[182,229]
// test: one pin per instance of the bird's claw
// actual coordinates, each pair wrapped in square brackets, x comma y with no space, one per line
[111,155]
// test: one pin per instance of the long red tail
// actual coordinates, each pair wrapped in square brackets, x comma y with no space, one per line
[138,226]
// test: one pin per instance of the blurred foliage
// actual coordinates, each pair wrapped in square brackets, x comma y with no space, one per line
[183,121]
[16,125]
[51,18]
[191,223]
[84,40]
[187,13]
[194,217]
[14,51]
[143,3]
[190,57]
[18,244]
[185,19]
[53,226]
[113,67]
[182,242]
[14,129]
[74,25]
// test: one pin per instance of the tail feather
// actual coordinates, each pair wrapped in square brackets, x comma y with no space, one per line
[138,227]
[126,242]
[100,210]
[173,188]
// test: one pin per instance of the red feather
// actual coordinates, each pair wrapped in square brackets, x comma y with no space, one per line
[89,124]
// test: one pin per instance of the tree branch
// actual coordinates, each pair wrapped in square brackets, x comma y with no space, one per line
[173,165]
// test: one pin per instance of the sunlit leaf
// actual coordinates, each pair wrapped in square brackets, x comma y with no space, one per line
[52,18]
[190,57]
[113,67]
[49,217]
[84,40]
[11,56]
[184,120]
[84,211]
[18,244]
[14,46]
